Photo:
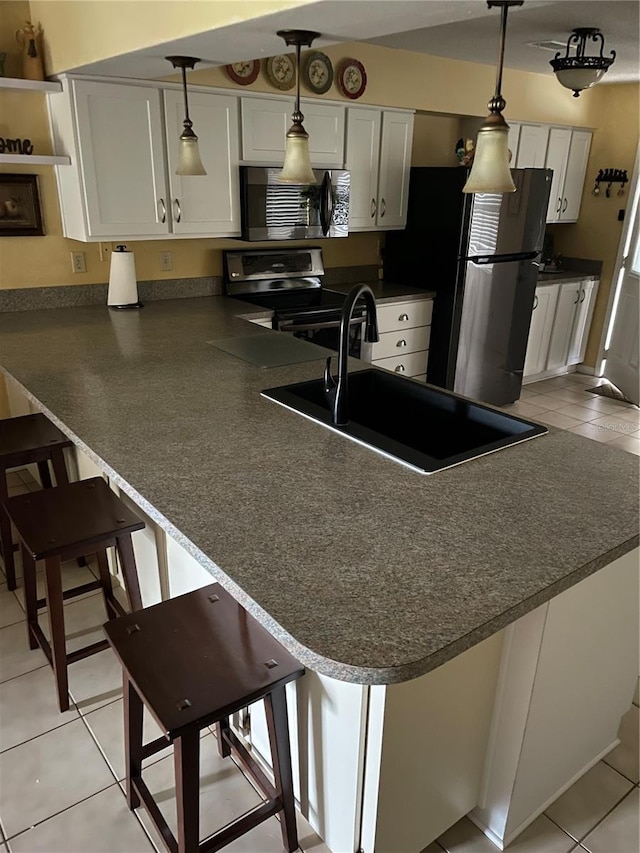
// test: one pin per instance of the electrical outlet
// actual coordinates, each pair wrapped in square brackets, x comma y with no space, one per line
[166,261]
[78,262]
[105,251]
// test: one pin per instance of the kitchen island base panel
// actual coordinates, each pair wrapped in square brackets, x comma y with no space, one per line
[568,674]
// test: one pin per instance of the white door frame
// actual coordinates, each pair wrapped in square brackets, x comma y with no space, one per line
[623,250]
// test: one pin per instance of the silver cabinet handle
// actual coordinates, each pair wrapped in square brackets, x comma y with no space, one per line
[374,208]
[577,299]
[565,205]
[535,302]
[403,318]
[401,343]
[400,368]
[177,209]
[163,206]
[383,207]
[584,294]
[559,205]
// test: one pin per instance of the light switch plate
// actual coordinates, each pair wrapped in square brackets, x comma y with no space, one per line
[166,261]
[78,262]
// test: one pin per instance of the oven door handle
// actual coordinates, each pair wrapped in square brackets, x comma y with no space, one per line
[326,204]
[309,327]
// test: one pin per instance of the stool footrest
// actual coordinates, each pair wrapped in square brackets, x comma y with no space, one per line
[80,654]
[250,764]
[154,812]
[238,827]
[149,749]
[73,592]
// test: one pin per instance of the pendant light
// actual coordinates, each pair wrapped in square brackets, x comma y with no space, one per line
[189,162]
[580,72]
[296,168]
[490,172]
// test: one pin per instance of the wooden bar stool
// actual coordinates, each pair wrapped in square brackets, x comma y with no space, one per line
[77,519]
[193,661]
[30,439]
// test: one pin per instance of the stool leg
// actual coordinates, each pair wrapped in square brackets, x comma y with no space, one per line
[30,594]
[276,709]
[6,539]
[56,625]
[186,758]
[105,580]
[128,565]
[45,476]
[59,467]
[224,750]
[133,711]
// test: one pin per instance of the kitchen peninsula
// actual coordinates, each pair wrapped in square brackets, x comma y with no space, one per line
[400,593]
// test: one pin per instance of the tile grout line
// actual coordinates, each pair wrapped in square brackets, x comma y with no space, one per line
[602,819]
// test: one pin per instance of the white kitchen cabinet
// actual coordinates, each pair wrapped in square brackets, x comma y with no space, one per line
[513,141]
[405,329]
[544,306]
[205,204]
[378,156]
[124,151]
[362,161]
[582,322]
[560,326]
[532,146]
[119,139]
[395,165]
[265,122]
[566,306]
[567,155]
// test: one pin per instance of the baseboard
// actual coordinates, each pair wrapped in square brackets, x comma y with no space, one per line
[549,374]
[502,843]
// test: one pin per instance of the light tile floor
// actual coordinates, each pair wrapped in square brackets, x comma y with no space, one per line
[61,774]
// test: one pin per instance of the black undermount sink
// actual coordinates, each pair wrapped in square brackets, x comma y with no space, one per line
[417,425]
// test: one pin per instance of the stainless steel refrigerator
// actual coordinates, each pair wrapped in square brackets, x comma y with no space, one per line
[480,254]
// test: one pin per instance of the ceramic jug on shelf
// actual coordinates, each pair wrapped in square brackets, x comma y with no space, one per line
[29,38]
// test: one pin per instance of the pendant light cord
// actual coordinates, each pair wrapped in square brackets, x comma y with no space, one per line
[187,121]
[297,115]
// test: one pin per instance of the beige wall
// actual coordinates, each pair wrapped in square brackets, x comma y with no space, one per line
[82,31]
[434,140]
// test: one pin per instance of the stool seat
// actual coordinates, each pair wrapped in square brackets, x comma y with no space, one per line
[193,661]
[25,434]
[86,511]
[203,649]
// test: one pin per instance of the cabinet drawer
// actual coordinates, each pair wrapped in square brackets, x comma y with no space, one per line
[411,364]
[404,315]
[400,342]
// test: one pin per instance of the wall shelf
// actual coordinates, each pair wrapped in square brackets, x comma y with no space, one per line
[30,85]
[35,159]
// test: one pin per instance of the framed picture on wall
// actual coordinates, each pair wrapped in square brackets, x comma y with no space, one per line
[20,211]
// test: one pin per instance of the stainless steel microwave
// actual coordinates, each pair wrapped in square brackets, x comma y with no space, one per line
[273,210]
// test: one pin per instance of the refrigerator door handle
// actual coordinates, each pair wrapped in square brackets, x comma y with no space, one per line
[503,259]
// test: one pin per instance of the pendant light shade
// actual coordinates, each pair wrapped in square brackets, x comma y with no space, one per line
[297,168]
[189,162]
[490,172]
[579,71]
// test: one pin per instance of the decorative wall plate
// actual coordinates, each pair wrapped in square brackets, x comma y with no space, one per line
[352,78]
[317,72]
[243,73]
[281,71]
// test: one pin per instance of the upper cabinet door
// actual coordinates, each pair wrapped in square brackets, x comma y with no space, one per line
[205,204]
[121,149]
[574,176]
[362,158]
[557,154]
[532,146]
[265,122]
[395,165]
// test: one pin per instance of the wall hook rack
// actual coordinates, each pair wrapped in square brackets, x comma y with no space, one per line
[610,177]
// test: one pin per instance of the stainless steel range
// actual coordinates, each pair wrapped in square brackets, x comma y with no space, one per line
[289,282]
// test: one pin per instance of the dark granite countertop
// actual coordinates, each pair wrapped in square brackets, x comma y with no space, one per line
[366,571]
[560,276]
[388,291]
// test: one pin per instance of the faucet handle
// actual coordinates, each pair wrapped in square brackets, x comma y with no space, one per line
[330,386]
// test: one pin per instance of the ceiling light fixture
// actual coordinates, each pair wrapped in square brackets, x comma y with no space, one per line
[579,72]
[490,172]
[189,162]
[296,168]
